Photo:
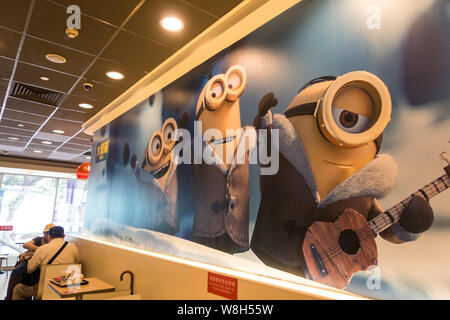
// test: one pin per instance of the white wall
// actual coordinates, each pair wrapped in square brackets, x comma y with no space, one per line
[162,277]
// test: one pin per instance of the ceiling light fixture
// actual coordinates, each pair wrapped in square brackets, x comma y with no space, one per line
[45,78]
[115,75]
[13,138]
[37,151]
[47,142]
[55,58]
[85,106]
[58,131]
[20,125]
[172,24]
[72,33]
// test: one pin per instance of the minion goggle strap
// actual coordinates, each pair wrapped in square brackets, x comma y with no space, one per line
[327,121]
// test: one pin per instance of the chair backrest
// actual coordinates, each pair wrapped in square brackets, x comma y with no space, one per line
[52,271]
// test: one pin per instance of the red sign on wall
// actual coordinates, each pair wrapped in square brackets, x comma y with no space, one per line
[6,228]
[222,286]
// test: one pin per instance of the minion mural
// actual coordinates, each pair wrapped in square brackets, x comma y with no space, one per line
[331,134]
[350,150]
[222,186]
[158,171]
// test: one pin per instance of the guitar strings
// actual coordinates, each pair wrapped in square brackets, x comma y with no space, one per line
[361,236]
[337,249]
[329,256]
[332,250]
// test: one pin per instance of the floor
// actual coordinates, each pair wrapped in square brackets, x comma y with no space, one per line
[3,284]
[5,276]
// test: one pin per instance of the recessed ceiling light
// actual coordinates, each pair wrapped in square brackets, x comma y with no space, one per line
[115,75]
[172,24]
[20,125]
[55,58]
[13,138]
[37,151]
[85,106]
[46,142]
[72,33]
[58,131]
[45,78]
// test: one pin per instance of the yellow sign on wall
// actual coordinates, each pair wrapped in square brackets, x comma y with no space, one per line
[102,151]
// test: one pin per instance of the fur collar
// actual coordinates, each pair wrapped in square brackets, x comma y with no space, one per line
[375,179]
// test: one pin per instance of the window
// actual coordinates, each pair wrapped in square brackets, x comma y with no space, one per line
[70,205]
[28,203]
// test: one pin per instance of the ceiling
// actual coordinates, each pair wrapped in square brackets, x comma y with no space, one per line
[123,36]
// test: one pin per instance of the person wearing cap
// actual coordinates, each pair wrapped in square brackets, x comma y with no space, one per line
[35,243]
[43,255]
[20,269]
[330,137]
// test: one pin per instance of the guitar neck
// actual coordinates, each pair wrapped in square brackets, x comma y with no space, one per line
[391,216]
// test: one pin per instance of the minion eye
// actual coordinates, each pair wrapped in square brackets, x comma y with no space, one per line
[349,121]
[169,133]
[156,146]
[234,81]
[217,90]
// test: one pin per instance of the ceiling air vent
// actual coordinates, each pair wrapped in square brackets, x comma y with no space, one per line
[35,94]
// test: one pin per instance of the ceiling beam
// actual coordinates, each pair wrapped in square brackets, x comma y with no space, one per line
[35,164]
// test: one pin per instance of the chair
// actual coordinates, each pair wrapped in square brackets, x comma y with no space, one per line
[52,271]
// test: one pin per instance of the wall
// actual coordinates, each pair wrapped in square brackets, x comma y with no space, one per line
[163,277]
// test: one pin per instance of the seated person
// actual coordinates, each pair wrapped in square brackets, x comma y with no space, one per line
[35,243]
[43,255]
[20,268]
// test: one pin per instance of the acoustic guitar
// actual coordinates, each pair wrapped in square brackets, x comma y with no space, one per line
[334,251]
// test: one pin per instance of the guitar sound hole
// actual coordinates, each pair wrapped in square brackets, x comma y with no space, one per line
[349,242]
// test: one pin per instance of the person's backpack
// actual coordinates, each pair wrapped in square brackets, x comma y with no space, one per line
[31,279]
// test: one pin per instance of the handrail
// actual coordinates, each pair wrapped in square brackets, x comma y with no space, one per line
[11,246]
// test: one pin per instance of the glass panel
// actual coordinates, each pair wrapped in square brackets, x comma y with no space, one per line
[26,203]
[70,205]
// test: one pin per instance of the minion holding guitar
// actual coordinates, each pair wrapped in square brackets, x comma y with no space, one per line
[319,214]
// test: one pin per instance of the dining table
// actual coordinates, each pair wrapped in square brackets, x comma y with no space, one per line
[93,286]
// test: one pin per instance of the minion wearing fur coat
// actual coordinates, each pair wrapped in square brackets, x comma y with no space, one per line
[330,137]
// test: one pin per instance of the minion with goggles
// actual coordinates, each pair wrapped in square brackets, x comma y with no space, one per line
[159,170]
[330,137]
[221,217]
